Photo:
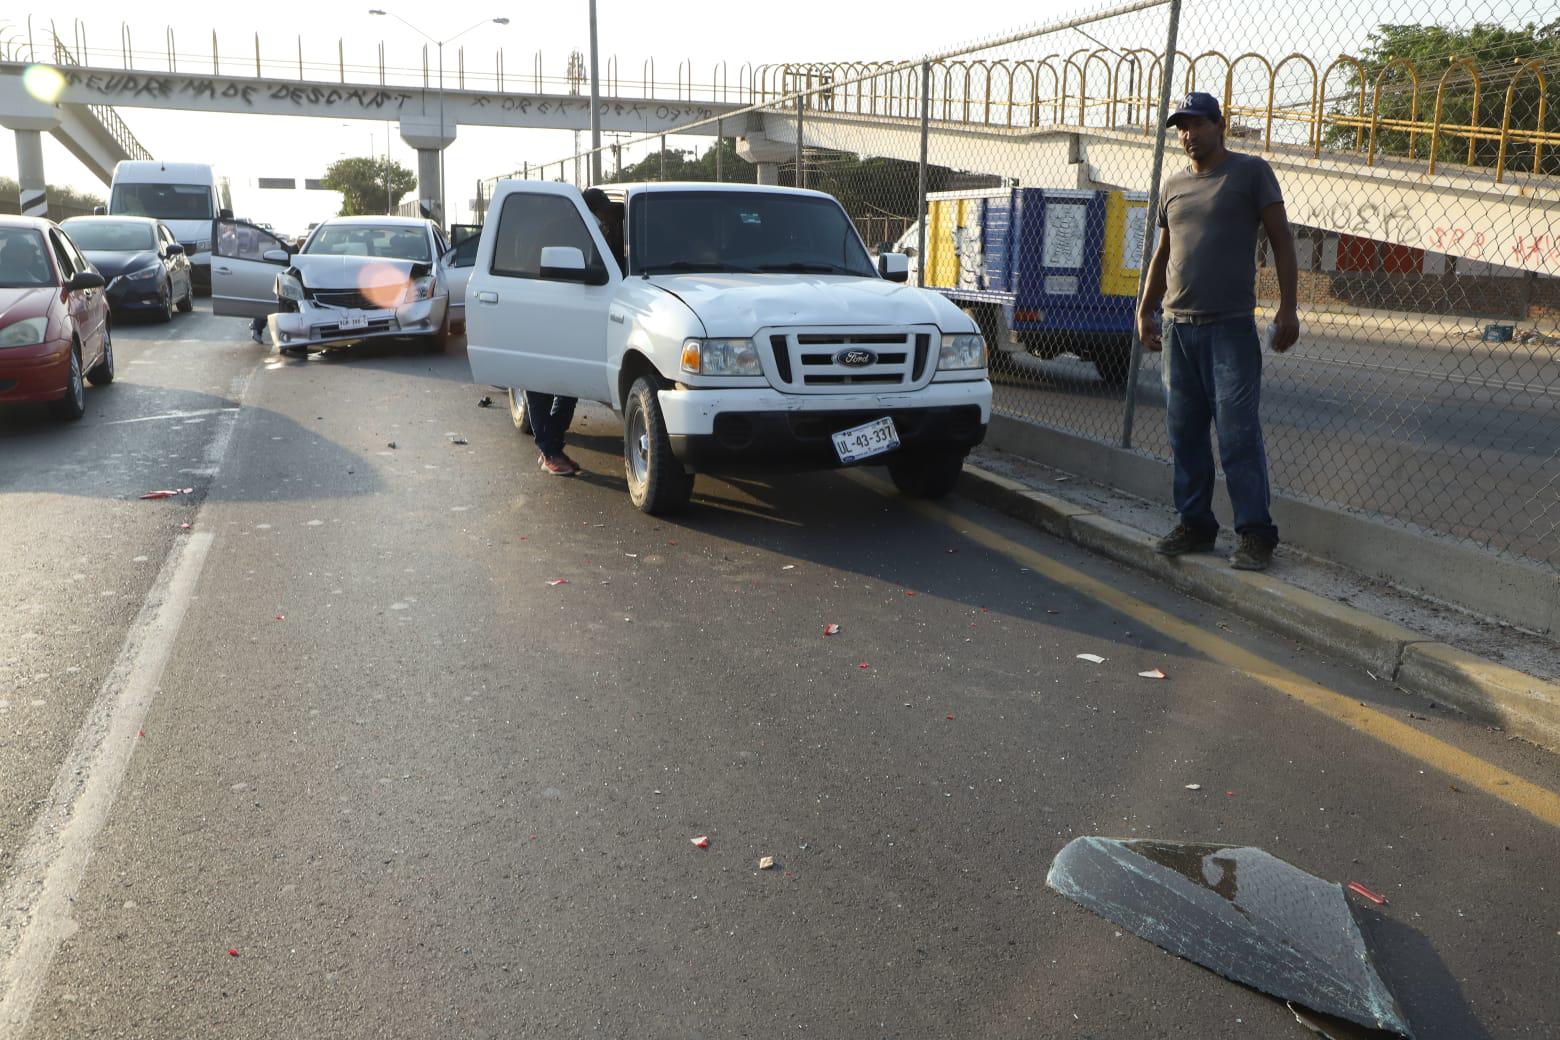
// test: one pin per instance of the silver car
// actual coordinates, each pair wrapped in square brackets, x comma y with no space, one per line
[355,279]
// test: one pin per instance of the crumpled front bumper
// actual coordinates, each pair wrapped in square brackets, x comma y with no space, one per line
[314,325]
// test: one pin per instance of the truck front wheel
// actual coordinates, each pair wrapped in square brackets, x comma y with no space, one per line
[656,480]
[927,475]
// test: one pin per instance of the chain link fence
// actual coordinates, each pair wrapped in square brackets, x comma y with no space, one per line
[1420,164]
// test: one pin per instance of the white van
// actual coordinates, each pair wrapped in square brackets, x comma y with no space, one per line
[185,196]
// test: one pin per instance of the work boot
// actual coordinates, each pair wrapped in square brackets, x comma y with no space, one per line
[1252,554]
[1183,540]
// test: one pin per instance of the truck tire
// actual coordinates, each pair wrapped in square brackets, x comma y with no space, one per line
[1112,361]
[656,481]
[928,474]
[517,413]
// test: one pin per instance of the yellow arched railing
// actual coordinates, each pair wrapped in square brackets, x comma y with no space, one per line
[1537,70]
[1413,108]
[1229,93]
[1358,121]
[1473,112]
[1311,109]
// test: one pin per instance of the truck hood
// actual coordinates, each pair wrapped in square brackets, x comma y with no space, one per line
[741,304]
[322,271]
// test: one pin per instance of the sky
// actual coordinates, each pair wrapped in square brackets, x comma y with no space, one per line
[703,32]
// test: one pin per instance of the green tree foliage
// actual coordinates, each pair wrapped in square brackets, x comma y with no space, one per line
[68,201]
[1495,51]
[684,165]
[370,185]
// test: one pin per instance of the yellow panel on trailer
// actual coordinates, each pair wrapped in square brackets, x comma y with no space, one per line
[1126,222]
[943,217]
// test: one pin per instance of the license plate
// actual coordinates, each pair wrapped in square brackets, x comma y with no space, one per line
[866,440]
[354,320]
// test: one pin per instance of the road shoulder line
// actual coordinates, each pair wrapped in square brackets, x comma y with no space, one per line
[1523,704]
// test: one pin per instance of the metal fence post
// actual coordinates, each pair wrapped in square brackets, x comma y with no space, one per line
[926,116]
[663,157]
[720,149]
[800,179]
[1151,221]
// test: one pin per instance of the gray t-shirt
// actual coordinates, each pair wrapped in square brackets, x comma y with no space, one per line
[1213,219]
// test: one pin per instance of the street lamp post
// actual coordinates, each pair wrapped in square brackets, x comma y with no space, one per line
[443,213]
[595,105]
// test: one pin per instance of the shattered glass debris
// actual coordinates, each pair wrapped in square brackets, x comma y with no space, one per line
[1237,911]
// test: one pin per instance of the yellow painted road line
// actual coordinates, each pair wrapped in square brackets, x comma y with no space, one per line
[1456,763]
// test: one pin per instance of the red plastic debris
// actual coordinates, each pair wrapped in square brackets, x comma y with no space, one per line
[863,664]
[281,617]
[909,593]
[140,732]
[1229,794]
[831,629]
[184,527]
[167,493]
[701,842]
[950,718]
[232,952]
[558,581]
[1360,890]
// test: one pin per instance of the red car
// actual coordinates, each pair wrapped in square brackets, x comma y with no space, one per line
[53,318]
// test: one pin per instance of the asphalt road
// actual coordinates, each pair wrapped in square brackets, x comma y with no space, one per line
[341,762]
[1455,435]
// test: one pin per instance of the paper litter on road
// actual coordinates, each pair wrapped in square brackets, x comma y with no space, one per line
[558,581]
[831,629]
[789,567]
[1091,658]
[459,440]
[1153,673]
[1194,787]
[702,841]
[766,862]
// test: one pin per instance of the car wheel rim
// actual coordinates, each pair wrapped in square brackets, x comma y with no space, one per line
[517,407]
[638,454]
[77,391]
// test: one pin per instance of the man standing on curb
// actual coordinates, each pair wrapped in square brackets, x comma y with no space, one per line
[1205,271]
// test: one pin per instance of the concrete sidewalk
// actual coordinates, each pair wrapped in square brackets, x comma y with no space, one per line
[1495,673]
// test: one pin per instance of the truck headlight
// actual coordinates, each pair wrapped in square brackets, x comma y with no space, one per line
[961,351]
[289,287]
[721,357]
[26,333]
[419,289]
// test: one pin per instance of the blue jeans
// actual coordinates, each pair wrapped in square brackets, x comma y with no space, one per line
[1213,374]
[550,417]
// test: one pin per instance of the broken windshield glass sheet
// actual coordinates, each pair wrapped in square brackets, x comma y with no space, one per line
[1237,911]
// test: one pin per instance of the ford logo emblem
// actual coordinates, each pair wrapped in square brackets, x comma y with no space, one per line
[855,358]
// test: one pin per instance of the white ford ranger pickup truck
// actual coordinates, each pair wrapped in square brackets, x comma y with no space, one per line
[747,328]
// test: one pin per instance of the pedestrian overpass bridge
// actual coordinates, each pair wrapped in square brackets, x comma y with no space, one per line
[1086,120]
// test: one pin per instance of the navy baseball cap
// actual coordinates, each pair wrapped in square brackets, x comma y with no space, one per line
[1197,104]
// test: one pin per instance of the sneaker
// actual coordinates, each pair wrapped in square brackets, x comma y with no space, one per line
[1183,540]
[571,462]
[557,465]
[1252,554]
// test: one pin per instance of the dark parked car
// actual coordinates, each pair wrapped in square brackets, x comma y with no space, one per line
[146,270]
[54,320]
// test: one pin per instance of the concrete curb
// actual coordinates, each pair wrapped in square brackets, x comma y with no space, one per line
[1522,704]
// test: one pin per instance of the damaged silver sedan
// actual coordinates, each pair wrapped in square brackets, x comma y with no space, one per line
[355,279]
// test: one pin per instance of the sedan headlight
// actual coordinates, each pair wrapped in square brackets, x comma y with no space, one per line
[721,357]
[419,289]
[28,332]
[961,351]
[289,288]
[143,274]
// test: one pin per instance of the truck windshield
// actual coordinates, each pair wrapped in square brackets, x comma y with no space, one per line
[163,201]
[683,231]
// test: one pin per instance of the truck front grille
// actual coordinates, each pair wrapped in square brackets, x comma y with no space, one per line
[814,360]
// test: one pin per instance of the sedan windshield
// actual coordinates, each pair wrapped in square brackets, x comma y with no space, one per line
[386,241]
[23,264]
[745,232]
[110,236]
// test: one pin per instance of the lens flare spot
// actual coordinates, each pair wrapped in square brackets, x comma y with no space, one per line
[383,285]
[43,82]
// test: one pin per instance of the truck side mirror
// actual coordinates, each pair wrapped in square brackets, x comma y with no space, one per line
[224,214]
[563,264]
[895,267]
[100,211]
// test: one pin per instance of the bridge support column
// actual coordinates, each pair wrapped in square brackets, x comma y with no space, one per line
[29,170]
[766,154]
[429,136]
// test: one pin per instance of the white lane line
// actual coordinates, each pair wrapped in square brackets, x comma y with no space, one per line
[36,914]
[170,415]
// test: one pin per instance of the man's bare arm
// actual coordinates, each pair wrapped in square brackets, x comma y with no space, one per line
[1153,292]
[1276,223]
